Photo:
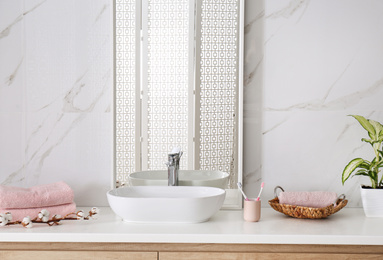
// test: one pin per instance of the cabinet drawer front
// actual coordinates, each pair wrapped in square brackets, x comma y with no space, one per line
[263,256]
[83,255]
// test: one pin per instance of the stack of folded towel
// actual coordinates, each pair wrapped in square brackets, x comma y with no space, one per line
[57,198]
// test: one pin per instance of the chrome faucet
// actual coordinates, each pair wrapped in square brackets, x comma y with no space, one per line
[173,164]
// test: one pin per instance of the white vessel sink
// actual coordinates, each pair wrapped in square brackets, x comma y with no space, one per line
[172,204]
[185,178]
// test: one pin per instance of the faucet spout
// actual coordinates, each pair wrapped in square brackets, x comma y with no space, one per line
[173,167]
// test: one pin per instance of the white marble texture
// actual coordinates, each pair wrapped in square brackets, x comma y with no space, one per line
[309,64]
[56,94]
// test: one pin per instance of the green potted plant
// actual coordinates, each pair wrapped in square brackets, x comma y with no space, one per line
[371,195]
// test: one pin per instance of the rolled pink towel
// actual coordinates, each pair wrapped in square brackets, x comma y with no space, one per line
[313,199]
[35,197]
[19,214]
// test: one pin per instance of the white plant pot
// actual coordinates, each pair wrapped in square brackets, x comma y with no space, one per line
[372,200]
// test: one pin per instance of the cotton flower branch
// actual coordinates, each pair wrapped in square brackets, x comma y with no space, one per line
[43,217]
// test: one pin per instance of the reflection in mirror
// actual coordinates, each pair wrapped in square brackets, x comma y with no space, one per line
[207,178]
[178,83]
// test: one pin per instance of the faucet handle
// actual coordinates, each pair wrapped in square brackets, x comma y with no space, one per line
[174,156]
[173,159]
[176,150]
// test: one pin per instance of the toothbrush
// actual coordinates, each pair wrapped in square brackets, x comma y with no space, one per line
[240,188]
[259,195]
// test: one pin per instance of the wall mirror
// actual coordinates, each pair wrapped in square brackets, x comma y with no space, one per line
[178,83]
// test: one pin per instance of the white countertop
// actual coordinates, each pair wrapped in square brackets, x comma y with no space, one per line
[348,226]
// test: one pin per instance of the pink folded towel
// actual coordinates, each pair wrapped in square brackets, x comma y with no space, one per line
[19,214]
[35,197]
[314,199]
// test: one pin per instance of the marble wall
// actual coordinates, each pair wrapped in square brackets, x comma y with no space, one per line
[308,64]
[56,95]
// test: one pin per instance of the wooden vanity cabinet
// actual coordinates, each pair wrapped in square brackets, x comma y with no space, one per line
[184,251]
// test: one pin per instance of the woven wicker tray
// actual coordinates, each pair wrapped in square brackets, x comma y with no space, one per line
[307,212]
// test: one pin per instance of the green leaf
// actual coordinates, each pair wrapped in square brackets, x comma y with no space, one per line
[378,128]
[350,168]
[365,165]
[362,172]
[374,177]
[366,125]
[373,162]
[368,141]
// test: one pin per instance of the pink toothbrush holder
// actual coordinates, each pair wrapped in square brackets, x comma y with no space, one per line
[252,210]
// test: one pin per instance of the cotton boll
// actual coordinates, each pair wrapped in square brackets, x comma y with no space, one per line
[95,210]
[80,215]
[29,225]
[44,215]
[27,222]
[8,215]
[3,220]
[45,212]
